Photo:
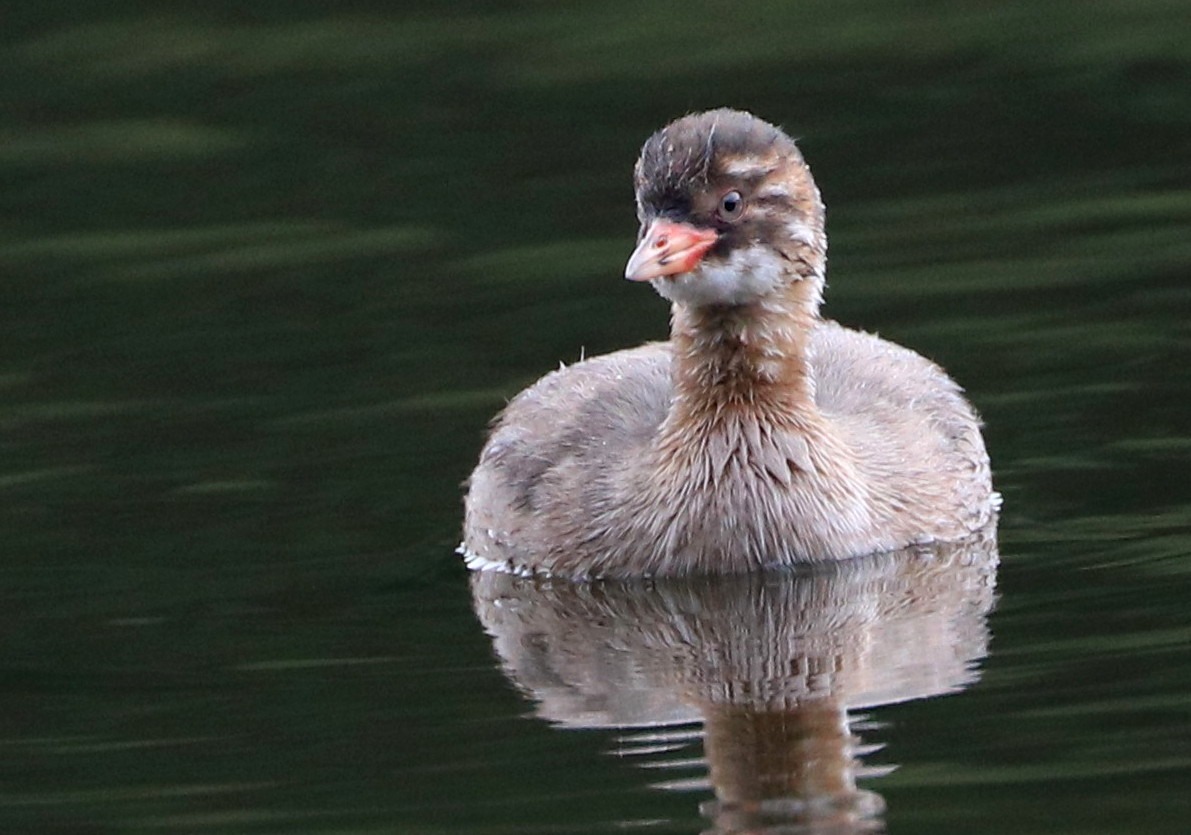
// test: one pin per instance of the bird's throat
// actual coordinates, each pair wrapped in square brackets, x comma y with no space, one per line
[750,358]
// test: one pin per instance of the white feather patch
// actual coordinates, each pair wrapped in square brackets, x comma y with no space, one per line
[749,274]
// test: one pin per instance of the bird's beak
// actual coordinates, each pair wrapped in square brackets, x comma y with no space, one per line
[668,248]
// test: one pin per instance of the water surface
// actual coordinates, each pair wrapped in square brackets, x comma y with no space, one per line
[267,273]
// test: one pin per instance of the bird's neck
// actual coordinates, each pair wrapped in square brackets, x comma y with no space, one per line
[751,360]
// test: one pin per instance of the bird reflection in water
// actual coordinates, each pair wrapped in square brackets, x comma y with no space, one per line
[768,669]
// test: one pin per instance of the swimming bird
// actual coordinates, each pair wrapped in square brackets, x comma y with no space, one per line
[761,434]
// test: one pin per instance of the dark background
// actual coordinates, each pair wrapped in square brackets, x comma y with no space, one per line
[266,273]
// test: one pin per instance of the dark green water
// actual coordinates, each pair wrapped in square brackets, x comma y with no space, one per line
[265,273]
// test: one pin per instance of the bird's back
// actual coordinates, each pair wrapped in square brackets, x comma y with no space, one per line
[914,434]
[555,453]
[549,457]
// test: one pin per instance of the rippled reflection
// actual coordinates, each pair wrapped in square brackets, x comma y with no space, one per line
[767,671]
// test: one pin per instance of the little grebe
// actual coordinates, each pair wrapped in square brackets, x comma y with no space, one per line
[761,434]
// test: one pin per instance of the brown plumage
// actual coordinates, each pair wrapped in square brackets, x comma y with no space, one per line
[760,434]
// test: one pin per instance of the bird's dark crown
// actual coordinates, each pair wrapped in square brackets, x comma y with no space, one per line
[693,154]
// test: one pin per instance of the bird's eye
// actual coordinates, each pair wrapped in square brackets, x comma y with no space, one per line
[731,206]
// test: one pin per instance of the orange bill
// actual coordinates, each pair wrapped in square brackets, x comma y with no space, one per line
[668,249]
